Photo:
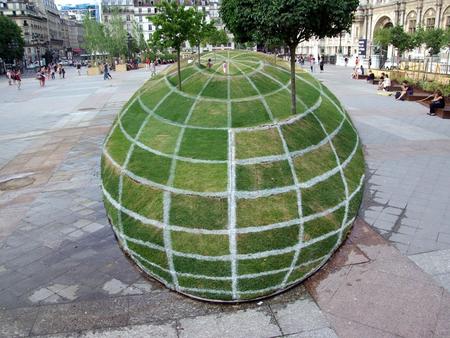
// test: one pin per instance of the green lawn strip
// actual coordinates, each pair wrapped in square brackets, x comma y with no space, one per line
[154,95]
[262,282]
[118,146]
[201,176]
[209,114]
[315,163]
[257,265]
[317,250]
[160,136]
[153,167]
[278,74]
[310,78]
[175,107]
[205,144]
[200,244]
[323,195]
[142,199]
[280,104]
[145,232]
[246,68]
[258,143]
[232,70]
[161,274]
[133,118]
[306,93]
[354,170]
[113,214]
[199,212]
[200,267]
[153,255]
[263,175]
[345,141]
[241,87]
[301,272]
[110,178]
[332,97]
[199,283]
[263,83]
[323,225]
[303,133]
[267,210]
[354,204]
[248,113]
[330,117]
[267,240]
[217,88]
[185,73]
[195,83]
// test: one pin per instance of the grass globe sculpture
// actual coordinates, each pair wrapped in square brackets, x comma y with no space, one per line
[218,191]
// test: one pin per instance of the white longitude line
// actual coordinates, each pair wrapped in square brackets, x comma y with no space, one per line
[167,199]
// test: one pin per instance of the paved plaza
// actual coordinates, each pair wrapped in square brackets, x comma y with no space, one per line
[62,273]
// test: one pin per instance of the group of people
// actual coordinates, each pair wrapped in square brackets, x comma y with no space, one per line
[49,72]
[14,77]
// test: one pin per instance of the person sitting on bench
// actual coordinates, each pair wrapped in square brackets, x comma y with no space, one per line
[371,76]
[380,83]
[438,101]
[386,83]
[407,90]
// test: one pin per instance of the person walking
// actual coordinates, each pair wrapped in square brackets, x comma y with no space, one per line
[41,77]
[322,62]
[224,67]
[147,64]
[9,74]
[79,69]
[63,72]
[106,75]
[346,61]
[52,74]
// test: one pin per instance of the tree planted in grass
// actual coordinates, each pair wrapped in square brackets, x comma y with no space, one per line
[11,41]
[216,37]
[200,30]
[173,24]
[291,21]
[94,37]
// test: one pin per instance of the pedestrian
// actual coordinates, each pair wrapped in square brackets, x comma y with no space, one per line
[356,62]
[362,70]
[147,64]
[106,74]
[312,61]
[346,61]
[59,71]
[153,66]
[321,64]
[9,76]
[52,74]
[18,78]
[79,69]
[224,67]
[41,77]
[63,72]
[209,64]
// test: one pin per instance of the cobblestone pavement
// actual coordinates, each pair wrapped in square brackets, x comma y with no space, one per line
[408,159]
[63,274]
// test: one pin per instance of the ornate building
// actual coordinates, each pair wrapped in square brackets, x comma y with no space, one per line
[374,14]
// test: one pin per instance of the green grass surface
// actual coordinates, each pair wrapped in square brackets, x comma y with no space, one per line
[212,203]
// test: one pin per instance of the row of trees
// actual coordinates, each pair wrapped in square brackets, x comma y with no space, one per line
[11,40]
[433,39]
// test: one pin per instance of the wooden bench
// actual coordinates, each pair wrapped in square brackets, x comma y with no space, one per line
[376,81]
[417,97]
[443,113]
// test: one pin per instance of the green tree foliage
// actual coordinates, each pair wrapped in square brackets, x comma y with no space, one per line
[291,21]
[138,38]
[434,39]
[401,40]
[200,30]
[94,36]
[116,36]
[382,38]
[173,24]
[217,37]
[11,40]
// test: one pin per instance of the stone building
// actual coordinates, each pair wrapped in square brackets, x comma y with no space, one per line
[374,14]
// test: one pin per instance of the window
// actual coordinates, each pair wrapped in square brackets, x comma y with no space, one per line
[150,27]
[128,18]
[140,19]
[140,10]
[430,23]
[412,26]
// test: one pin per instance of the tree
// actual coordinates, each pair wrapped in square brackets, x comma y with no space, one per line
[173,24]
[94,36]
[401,40]
[116,36]
[199,30]
[434,40]
[138,37]
[216,37]
[291,21]
[11,40]
[382,38]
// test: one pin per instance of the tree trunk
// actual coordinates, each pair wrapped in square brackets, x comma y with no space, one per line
[293,92]
[198,49]
[179,68]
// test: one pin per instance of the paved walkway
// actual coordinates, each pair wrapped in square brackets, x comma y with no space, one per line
[62,273]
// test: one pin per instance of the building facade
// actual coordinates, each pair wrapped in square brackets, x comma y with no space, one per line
[372,15]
